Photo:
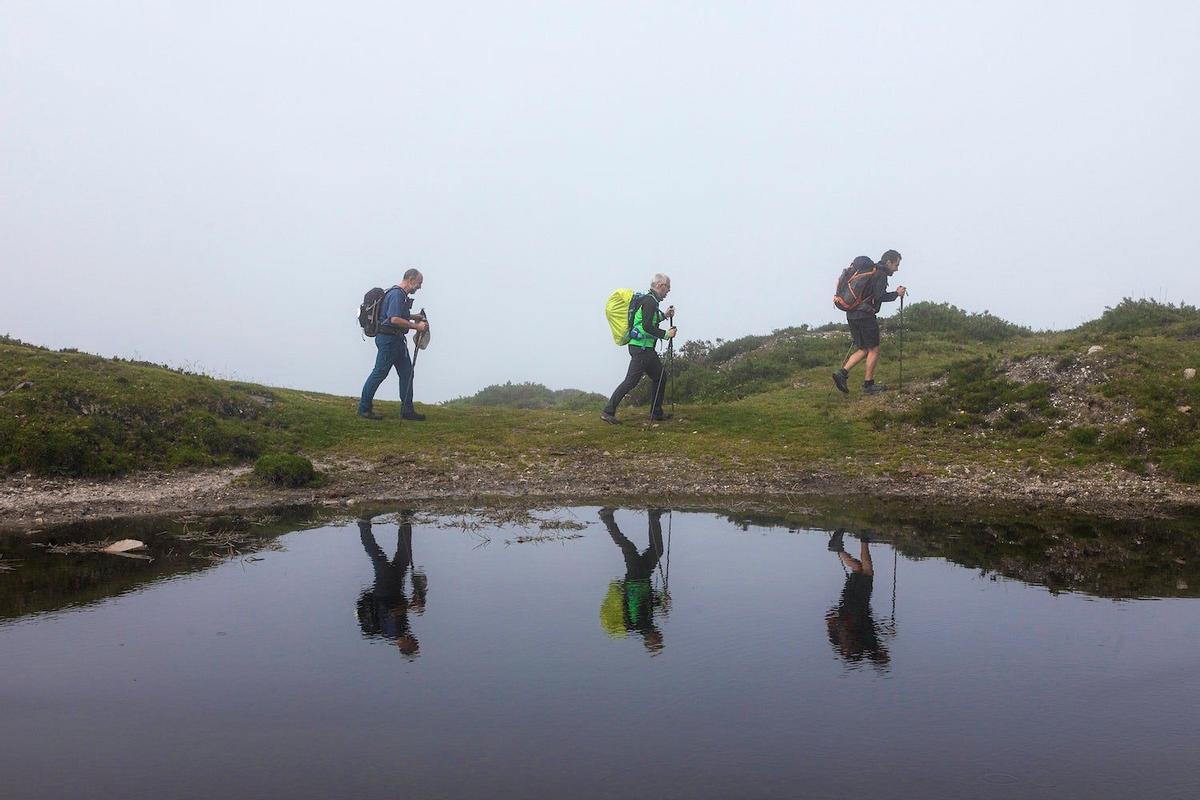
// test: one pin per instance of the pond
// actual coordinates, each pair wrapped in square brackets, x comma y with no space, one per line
[582,652]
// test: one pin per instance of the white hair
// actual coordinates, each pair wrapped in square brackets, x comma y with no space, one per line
[660,279]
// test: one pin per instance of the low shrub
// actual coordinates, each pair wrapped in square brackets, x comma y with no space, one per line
[1183,464]
[945,319]
[1083,435]
[1141,316]
[531,395]
[282,469]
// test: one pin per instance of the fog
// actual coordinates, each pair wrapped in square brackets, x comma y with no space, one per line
[215,185]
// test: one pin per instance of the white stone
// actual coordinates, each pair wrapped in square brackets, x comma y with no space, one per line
[1189,373]
[1094,349]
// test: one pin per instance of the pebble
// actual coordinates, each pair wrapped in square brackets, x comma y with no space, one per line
[1189,373]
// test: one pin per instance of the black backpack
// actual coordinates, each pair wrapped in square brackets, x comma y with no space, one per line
[853,283]
[368,312]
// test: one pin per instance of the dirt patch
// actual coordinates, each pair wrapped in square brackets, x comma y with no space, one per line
[28,503]
[1074,385]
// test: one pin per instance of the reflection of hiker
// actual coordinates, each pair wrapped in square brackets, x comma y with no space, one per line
[852,628]
[383,611]
[644,333]
[864,327]
[629,605]
[395,321]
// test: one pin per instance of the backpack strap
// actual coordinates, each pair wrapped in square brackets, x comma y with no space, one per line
[379,311]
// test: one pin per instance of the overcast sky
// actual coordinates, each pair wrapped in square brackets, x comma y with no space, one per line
[215,184]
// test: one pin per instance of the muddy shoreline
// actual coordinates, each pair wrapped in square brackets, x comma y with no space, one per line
[29,503]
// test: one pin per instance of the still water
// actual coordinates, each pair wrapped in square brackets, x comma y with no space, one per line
[633,654]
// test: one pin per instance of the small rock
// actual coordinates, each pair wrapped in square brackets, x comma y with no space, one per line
[1189,373]
[123,546]
[1095,349]
[1183,409]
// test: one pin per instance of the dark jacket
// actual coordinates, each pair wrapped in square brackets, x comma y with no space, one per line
[877,294]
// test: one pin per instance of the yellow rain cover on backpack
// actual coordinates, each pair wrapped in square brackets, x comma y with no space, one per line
[612,613]
[616,311]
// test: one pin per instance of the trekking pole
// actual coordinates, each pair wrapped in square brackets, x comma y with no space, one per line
[658,389]
[667,574]
[671,372]
[662,378]
[901,387]
[895,563]
[412,368]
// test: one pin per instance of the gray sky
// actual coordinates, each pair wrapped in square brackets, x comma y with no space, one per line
[215,185]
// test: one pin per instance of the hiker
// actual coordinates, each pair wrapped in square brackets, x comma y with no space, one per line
[629,605]
[864,327]
[852,629]
[395,321]
[644,334]
[383,610]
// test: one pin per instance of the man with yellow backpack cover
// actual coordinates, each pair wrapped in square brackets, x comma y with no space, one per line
[639,328]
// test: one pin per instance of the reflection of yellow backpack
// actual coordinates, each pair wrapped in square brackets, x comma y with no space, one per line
[612,615]
[619,313]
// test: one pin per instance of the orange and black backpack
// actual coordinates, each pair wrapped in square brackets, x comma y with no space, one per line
[853,284]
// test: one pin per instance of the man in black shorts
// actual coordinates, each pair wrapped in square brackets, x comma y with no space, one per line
[864,328]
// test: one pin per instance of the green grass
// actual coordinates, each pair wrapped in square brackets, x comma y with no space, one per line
[753,404]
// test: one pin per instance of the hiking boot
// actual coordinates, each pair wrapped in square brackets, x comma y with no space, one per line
[369,415]
[835,541]
[611,419]
[659,417]
[873,388]
[839,380]
[413,415]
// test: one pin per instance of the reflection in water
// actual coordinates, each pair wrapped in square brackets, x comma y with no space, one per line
[248,668]
[629,605]
[383,610]
[853,632]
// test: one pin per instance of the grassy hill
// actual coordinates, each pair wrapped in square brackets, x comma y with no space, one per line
[977,390]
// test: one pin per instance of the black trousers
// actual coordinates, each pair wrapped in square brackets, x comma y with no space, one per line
[642,361]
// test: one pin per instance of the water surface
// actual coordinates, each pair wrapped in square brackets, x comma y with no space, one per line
[658,655]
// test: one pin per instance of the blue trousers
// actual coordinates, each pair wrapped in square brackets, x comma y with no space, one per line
[392,351]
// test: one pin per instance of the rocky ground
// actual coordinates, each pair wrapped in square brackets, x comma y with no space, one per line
[29,503]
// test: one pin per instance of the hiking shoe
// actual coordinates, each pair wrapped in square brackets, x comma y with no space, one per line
[659,417]
[835,541]
[414,416]
[874,388]
[369,415]
[839,380]
[611,419]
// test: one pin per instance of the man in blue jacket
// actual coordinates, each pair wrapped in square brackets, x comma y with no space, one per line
[395,321]
[864,327]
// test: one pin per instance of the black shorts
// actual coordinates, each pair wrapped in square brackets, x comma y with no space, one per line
[864,332]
